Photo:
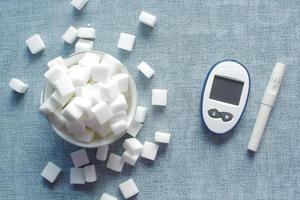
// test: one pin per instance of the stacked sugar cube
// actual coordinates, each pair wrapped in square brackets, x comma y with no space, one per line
[88,98]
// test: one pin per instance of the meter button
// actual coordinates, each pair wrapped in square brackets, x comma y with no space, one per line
[214,113]
[226,117]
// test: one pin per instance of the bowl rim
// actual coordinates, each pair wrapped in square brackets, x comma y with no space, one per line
[133,96]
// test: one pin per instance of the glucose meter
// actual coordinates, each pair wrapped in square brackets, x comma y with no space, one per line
[225,95]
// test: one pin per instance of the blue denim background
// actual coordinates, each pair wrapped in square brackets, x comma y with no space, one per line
[190,36]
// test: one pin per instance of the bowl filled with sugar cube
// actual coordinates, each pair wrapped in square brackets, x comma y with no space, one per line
[89,98]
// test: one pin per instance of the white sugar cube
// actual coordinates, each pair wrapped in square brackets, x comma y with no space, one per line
[147,18]
[57,119]
[146,69]
[110,90]
[54,73]
[61,100]
[70,35]
[50,172]
[140,114]
[84,45]
[78,4]
[128,188]
[119,104]
[54,61]
[102,130]
[130,158]
[162,137]
[115,162]
[35,44]
[102,152]
[77,176]
[118,127]
[159,97]
[122,80]
[83,104]
[89,59]
[106,196]
[90,173]
[102,112]
[48,107]
[111,61]
[86,137]
[134,128]
[75,127]
[101,72]
[80,76]
[87,32]
[72,112]
[80,158]
[18,85]
[126,41]
[64,86]
[91,93]
[118,117]
[149,150]
[133,146]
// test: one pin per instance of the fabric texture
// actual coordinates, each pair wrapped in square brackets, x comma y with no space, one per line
[189,37]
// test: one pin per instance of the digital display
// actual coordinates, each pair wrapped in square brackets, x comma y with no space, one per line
[226,90]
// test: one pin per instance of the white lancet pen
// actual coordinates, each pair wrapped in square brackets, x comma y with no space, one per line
[266,106]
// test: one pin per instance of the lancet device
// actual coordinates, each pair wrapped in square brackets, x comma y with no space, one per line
[225,95]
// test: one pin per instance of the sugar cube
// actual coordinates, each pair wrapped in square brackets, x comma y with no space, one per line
[89,59]
[118,127]
[122,80]
[146,69]
[54,73]
[118,117]
[130,158]
[61,100]
[128,188]
[110,90]
[50,172]
[140,114]
[78,4]
[57,60]
[101,72]
[77,176]
[90,173]
[134,128]
[18,85]
[35,44]
[133,146]
[72,112]
[80,76]
[115,162]
[106,196]
[75,127]
[149,150]
[102,130]
[57,119]
[162,137]
[64,86]
[147,18]
[70,35]
[126,41]
[102,152]
[83,104]
[86,32]
[84,45]
[111,61]
[80,158]
[102,112]
[159,97]
[119,104]
[86,137]
[48,107]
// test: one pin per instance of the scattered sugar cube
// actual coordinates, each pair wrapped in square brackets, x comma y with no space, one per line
[50,172]
[58,119]
[77,176]
[64,86]
[70,35]
[115,162]
[75,127]
[130,158]
[147,18]
[58,60]
[102,112]
[86,137]
[78,4]
[48,107]
[102,152]
[118,117]
[149,150]
[61,100]
[140,114]
[18,85]
[122,80]
[126,41]
[128,188]
[80,158]
[146,69]
[72,112]
[110,90]
[111,61]
[119,104]
[54,73]
[106,196]
[89,59]
[84,45]
[159,97]
[87,32]
[118,127]
[90,173]
[101,72]
[134,128]
[35,44]
[162,137]
[133,146]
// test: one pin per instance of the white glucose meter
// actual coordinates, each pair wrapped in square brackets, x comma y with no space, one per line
[225,95]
